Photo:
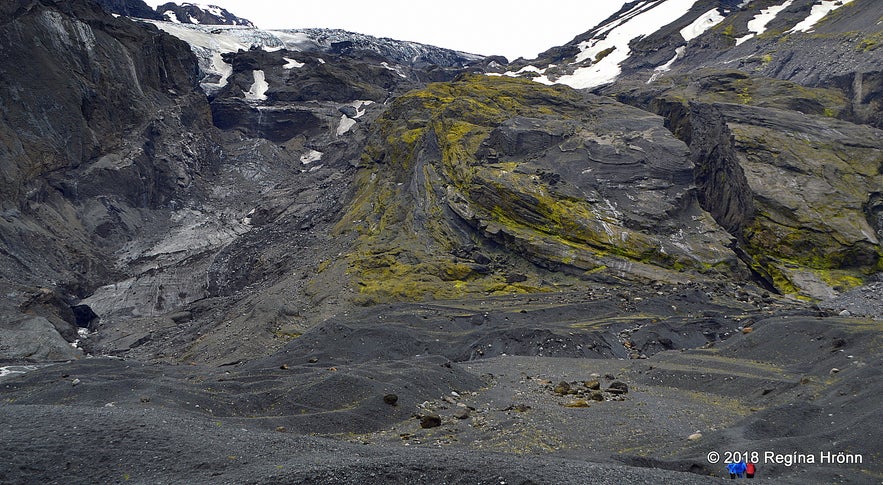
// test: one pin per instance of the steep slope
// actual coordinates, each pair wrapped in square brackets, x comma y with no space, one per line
[797,186]
[98,144]
[729,76]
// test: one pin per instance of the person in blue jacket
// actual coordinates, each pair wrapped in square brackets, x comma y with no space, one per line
[736,469]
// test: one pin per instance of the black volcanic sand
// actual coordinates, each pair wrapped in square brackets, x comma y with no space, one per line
[746,372]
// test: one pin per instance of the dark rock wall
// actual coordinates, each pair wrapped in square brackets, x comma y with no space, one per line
[93,141]
[130,8]
[722,187]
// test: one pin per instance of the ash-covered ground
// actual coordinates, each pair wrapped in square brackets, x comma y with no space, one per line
[607,386]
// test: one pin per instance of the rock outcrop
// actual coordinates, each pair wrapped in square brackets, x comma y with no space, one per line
[563,179]
[772,160]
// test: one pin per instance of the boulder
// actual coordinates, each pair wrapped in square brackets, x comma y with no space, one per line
[618,387]
[35,339]
[430,421]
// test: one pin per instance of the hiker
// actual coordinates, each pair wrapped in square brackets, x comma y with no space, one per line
[749,470]
[736,469]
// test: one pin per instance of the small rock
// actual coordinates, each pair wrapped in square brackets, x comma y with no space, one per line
[562,388]
[461,413]
[594,385]
[430,421]
[695,437]
[313,360]
[845,313]
[284,366]
[349,111]
[833,371]
[145,399]
[75,382]
[618,387]
[281,429]
[391,399]
[597,396]
[747,330]
[515,278]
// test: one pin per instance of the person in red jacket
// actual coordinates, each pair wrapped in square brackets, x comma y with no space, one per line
[749,470]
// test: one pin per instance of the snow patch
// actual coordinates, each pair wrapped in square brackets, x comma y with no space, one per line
[258,90]
[193,20]
[679,52]
[530,68]
[360,106]
[310,157]
[641,21]
[9,370]
[757,25]
[706,21]
[819,11]
[171,17]
[224,69]
[393,69]
[346,123]
[292,64]
[214,10]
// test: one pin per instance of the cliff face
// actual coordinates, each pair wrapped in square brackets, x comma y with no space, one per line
[773,160]
[98,141]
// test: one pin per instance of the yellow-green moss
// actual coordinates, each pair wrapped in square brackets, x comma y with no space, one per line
[729,30]
[604,53]
[870,43]
[424,146]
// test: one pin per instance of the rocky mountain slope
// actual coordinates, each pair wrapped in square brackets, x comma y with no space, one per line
[347,236]
[190,13]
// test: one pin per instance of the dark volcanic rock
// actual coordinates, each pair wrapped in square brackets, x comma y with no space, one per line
[130,8]
[765,152]
[95,144]
[430,421]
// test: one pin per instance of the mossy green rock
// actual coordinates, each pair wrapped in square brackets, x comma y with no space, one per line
[814,181]
[572,182]
[801,189]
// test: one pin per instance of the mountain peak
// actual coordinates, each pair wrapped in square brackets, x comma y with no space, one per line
[198,13]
